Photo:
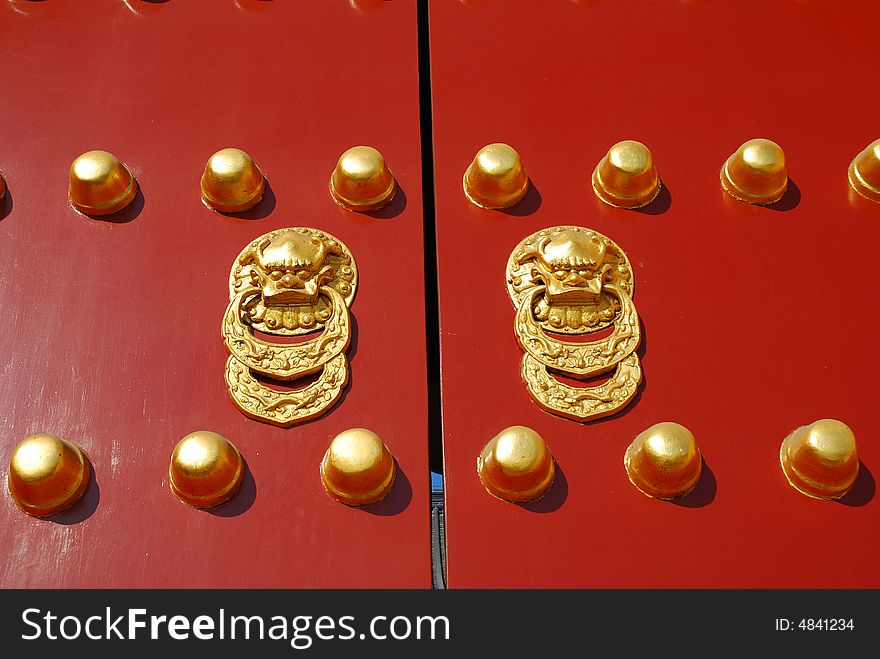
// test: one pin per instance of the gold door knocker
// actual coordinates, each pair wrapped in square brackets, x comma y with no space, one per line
[572,280]
[289,282]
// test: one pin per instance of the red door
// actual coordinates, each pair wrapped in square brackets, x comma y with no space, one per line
[749,314]
[756,320]
[112,325]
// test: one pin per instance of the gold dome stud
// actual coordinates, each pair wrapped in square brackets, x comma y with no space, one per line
[358,469]
[206,469]
[47,474]
[232,182]
[496,177]
[100,184]
[626,176]
[864,172]
[516,465]
[755,173]
[820,459]
[663,461]
[361,180]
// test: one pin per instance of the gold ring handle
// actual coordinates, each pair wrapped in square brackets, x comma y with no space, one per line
[582,404]
[287,362]
[577,281]
[284,409]
[579,359]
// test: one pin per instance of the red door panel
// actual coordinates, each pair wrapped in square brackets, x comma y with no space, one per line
[756,320]
[112,327]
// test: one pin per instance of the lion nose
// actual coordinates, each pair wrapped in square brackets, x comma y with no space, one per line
[291,281]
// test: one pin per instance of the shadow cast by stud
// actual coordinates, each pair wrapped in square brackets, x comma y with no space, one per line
[393,209]
[6,205]
[124,216]
[553,499]
[261,211]
[528,205]
[659,204]
[242,501]
[397,500]
[789,200]
[862,491]
[704,492]
[82,509]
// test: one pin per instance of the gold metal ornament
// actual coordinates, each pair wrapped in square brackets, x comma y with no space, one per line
[358,469]
[516,465]
[755,173]
[626,176]
[821,459]
[232,182]
[864,172]
[289,282]
[573,280]
[206,470]
[47,474]
[664,462]
[100,184]
[496,177]
[362,181]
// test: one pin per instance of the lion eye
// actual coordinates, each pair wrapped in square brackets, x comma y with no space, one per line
[559,274]
[302,274]
[583,273]
[275,275]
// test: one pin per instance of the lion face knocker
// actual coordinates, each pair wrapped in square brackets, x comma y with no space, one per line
[289,282]
[572,280]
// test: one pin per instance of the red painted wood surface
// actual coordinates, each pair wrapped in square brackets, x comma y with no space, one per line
[756,320]
[112,330]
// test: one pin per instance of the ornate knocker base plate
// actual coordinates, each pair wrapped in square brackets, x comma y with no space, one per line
[289,282]
[572,280]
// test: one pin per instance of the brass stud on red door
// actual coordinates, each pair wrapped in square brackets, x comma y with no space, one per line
[206,470]
[496,177]
[516,465]
[820,459]
[231,182]
[626,177]
[100,184]
[47,474]
[755,173]
[358,469]
[663,462]
[864,172]
[362,180]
